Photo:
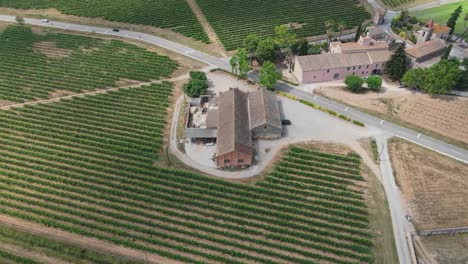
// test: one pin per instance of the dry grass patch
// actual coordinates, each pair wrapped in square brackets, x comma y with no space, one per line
[447,249]
[50,50]
[435,186]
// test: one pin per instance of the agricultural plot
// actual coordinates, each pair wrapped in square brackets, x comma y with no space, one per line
[435,186]
[396,3]
[6,257]
[441,14]
[234,19]
[170,14]
[85,166]
[36,66]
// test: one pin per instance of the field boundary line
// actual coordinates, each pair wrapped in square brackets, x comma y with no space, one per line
[209,30]
[57,99]
[92,244]
[25,253]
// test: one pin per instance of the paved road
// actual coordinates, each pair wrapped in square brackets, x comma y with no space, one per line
[392,195]
[400,225]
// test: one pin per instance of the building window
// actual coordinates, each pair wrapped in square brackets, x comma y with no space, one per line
[359,67]
[314,76]
[336,75]
[376,65]
[362,73]
[383,64]
[367,66]
[354,67]
[227,161]
[265,127]
[241,161]
[328,70]
[348,68]
[354,73]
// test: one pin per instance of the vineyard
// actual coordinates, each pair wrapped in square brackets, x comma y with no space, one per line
[6,257]
[85,165]
[234,19]
[395,3]
[34,66]
[171,14]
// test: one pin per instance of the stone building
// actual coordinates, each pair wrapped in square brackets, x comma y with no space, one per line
[264,115]
[426,51]
[234,139]
[232,121]
[362,58]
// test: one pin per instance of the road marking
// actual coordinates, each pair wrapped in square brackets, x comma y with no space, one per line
[381,122]
[346,109]
[419,135]
[315,97]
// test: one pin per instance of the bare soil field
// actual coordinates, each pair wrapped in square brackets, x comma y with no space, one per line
[442,115]
[435,186]
[447,249]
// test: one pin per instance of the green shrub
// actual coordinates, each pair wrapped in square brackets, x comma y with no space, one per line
[374,82]
[197,84]
[359,123]
[354,83]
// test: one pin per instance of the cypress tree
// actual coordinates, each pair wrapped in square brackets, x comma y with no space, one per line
[452,21]
[399,63]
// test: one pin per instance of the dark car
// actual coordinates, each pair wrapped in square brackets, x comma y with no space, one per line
[286,122]
[115,29]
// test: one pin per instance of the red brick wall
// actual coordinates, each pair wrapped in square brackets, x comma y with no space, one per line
[234,158]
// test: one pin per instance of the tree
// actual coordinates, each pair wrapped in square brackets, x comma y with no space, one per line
[266,50]
[354,83]
[250,44]
[452,21]
[414,78]
[19,20]
[447,50]
[440,78]
[329,24]
[197,84]
[358,32]
[269,75]
[374,82]
[283,38]
[341,27]
[399,63]
[463,82]
[301,47]
[240,63]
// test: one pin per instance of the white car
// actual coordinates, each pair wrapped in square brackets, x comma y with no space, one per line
[45,20]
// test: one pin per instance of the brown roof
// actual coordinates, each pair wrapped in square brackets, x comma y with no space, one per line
[263,109]
[331,61]
[441,29]
[212,118]
[233,123]
[426,48]
[379,56]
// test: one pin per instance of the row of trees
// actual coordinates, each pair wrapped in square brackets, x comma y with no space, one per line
[440,78]
[355,83]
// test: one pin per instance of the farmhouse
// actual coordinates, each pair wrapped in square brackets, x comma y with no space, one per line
[427,50]
[363,58]
[233,120]
[431,31]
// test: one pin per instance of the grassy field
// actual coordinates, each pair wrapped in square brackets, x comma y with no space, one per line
[85,165]
[171,14]
[31,246]
[37,66]
[234,19]
[442,13]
